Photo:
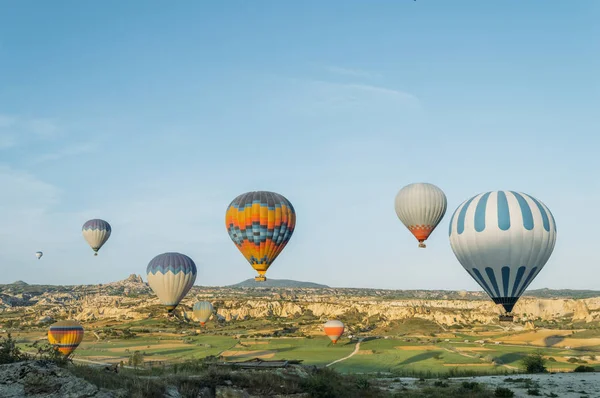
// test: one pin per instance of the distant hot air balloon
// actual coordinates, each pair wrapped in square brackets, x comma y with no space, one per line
[171,276]
[260,224]
[39,255]
[96,232]
[334,330]
[503,239]
[202,311]
[65,336]
[420,207]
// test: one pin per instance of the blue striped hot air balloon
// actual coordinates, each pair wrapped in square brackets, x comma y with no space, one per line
[171,276]
[96,232]
[503,239]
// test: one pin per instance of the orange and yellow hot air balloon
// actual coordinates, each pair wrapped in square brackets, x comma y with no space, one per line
[334,330]
[260,224]
[65,336]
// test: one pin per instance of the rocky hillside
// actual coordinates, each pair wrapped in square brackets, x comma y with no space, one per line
[132,299]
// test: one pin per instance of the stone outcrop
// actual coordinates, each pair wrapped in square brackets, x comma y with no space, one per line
[41,379]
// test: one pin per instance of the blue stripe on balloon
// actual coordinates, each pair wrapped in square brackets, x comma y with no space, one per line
[451,222]
[528,280]
[461,216]
[505,279]
[545,219]
[503,212]
[490,273]
[482,282]
[480,212]
[525,211]
[520,273]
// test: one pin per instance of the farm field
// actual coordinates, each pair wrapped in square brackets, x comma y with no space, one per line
[459,353]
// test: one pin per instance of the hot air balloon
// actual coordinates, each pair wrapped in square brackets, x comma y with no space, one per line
[65,336]
[334,330]
[171,276]
[96,232]
[503,239]
[39,255]
[202,311]
[420,207]
[260,224]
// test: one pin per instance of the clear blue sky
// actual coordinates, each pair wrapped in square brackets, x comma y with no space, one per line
[154,115]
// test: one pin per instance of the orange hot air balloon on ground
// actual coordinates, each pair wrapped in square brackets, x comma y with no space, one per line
[260,224]
[65,336]
[334,330]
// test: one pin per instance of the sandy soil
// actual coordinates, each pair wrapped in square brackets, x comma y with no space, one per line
[249,354]
[364,352]
[473,349]
[550,338]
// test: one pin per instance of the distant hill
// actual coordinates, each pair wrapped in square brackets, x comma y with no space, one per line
[20,283]
[278,283]
[562,293]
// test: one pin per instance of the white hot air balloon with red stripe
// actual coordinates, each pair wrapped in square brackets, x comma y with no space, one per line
[421,207]
[334,330]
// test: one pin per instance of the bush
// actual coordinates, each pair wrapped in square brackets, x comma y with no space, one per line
[9,352]
[583,368]
[534,363]
[503,392]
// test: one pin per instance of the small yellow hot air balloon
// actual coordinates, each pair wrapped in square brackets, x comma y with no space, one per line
[65,336]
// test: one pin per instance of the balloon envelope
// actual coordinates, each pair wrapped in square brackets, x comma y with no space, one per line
[202,311]
[503,239]
[171,276]
[260,224]
[96,232]
[65,336]
[420,207]
[334,330]
[39,255]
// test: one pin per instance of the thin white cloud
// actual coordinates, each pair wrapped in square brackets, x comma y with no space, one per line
[15,130]
[353,92]
[6,121]
[350,72]
[70,150]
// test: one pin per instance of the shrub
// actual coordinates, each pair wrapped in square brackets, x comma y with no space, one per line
[583,368]
[9,352]
[503,392]
[534,363]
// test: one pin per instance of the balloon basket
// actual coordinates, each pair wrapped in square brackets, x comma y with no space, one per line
[95,254]
[260,278]
[422,245]
[506,318]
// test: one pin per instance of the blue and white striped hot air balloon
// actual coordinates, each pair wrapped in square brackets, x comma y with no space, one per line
[171,276]
[503,239]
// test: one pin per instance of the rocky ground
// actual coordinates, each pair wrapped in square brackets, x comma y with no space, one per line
[563,385]
[44,379]
[37,379]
